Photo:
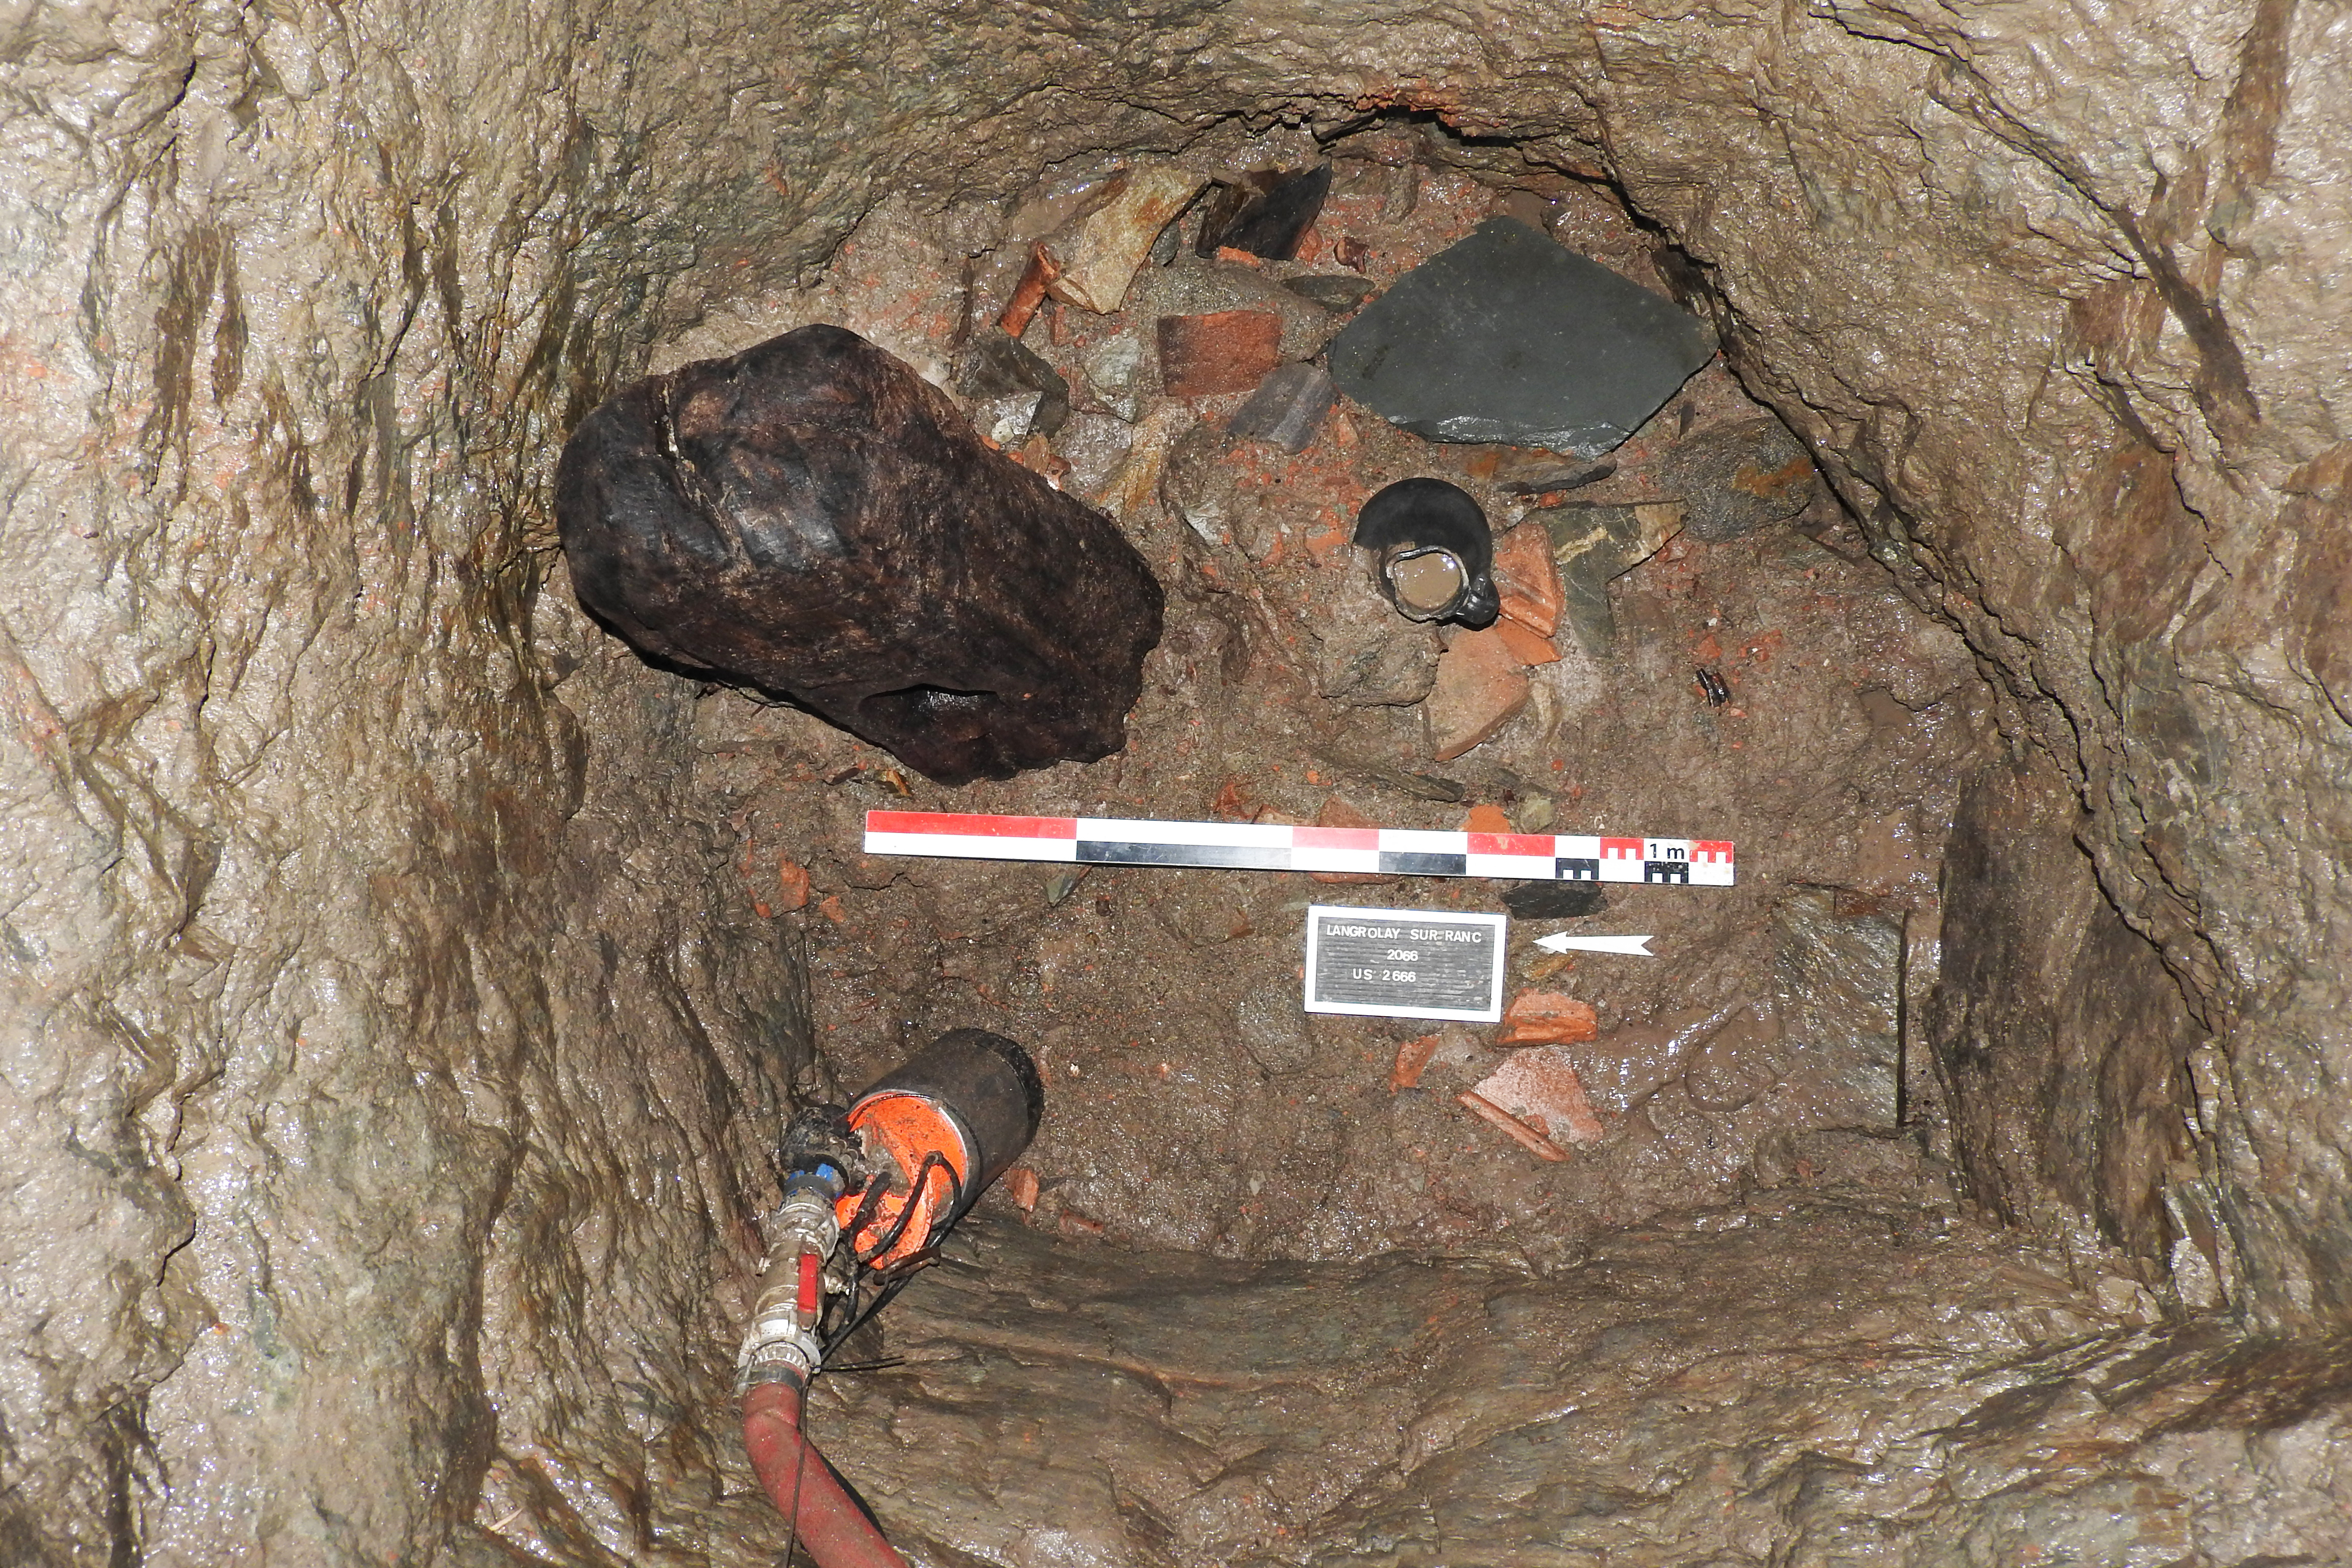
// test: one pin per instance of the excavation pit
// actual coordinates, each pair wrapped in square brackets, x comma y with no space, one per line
[412,982]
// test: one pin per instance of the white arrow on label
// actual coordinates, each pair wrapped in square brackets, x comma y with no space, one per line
[1563,943]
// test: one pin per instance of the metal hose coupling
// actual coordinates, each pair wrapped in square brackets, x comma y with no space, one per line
[782,1343]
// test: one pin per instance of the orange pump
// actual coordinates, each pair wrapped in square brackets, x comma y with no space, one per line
[902,1211]
[881,1181]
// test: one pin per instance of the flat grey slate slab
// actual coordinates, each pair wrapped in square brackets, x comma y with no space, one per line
[1507,337]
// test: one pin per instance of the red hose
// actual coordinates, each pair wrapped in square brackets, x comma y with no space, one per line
[832,1524]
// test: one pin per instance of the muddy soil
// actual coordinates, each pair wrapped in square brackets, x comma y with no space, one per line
[1264,1290]
[1193,1104]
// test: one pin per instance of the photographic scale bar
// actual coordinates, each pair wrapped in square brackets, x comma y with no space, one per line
[1268,846]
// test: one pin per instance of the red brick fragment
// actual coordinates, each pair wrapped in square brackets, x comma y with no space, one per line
[1236,801]
[1412,1059]
[1225,351]
[1020,1186]
[792,879]
[1518,1131]
[1545,1018]
[1029,293]
[1529,579]
[1480,687]
[1528,647]
[1485,817]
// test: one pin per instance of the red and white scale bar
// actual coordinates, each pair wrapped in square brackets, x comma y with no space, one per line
[1268,846]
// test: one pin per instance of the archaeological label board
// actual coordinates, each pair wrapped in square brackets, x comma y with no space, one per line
[1405,964]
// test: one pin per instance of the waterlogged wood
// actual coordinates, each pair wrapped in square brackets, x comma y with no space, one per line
[810,518]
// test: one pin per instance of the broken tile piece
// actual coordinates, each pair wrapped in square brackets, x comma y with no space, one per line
[1541,1089]
[1527,579]
[1508,337]
[1288,407]
[1412,1059]
[1480,687]
[1337,813]
[1485,817]
[1545,1018]
[1029,293]
[1592,546]
[1519,1131]
[1225,351]
[1530,647]
[1100,254]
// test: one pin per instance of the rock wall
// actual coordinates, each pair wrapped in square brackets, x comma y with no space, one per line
[385,1045]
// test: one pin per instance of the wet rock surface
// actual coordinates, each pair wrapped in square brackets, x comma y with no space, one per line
[399,976]
[1859,1381]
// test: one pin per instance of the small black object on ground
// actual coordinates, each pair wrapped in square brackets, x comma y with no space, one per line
[1555,901]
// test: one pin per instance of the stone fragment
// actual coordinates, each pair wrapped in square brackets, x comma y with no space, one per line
[1365,656]
[810,518]
[1099,254]
[1165,249]
[1480,687]
[1271,225]
[1518,1131]
[1592,546]
[1225,351]
[1225,202]
[1541,1089]
[1007,420]
[1527,580]
[1546,473]
[1286,408]
[1547,1017]
[1334,291]
[1554,901]
[792,886]
[1116,374]
[997,371]
[1273,1030]
[1841,982]
[1507,337]
[1735,478]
